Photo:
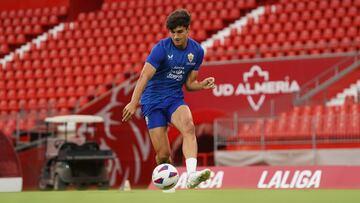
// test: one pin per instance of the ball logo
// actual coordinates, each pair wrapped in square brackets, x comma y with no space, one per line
[258,88]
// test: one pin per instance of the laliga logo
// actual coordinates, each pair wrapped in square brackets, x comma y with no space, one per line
[259,88]
[287,179]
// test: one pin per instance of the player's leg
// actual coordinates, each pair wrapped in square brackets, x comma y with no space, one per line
[157,124]
[161,144]
[182,119]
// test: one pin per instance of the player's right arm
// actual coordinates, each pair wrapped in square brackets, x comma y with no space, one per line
[146,74]
[153,62]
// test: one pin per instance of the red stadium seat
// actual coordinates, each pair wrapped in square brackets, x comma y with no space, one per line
[90,90]
[346,3]
[292,37]
[99,79]
[340,12]
[42,103]
[101,90]
[352,32]
[328,34]
[3,106]
[334,3]
[60,92]
[70,91]
[353,11]
[322,24]
[328,14]
[11,84]
[50,92]
[4,49]
[281,37]
[340,33]
[72,102]
[316,35]
[79,80]
[32,104]
[80,91]
[62,103]
[272,19]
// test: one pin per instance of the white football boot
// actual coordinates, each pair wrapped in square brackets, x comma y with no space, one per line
[196,178]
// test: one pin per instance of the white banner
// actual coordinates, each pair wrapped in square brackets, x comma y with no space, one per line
[13,184]
[288,157]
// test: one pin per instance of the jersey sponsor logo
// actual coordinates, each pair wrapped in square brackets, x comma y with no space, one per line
[287,179]
[176,73]
[215,180]
[258,88]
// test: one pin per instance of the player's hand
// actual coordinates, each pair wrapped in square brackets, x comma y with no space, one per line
[208,83]
[128,111]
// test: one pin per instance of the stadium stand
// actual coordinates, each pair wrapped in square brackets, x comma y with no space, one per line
[330,124]
[90,51]
[67,63]
[19,26]
[293,28]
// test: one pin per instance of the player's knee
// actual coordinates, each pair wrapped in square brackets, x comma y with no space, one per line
[163,158]
[163,153]
[189,128]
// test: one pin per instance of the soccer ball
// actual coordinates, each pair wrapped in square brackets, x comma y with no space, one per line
[165,176]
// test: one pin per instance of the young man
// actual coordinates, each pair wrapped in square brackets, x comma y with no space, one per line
[173,62]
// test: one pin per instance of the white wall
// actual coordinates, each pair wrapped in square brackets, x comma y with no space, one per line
[13,184]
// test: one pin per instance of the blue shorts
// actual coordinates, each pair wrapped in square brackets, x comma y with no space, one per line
[159,115]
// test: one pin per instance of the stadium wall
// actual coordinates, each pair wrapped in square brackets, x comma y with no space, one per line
[10,171]
[296,157]
[280,177]
[31,167]
[256,88]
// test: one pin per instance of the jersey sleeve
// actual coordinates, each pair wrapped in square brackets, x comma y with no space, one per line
[156,56]
[199,59]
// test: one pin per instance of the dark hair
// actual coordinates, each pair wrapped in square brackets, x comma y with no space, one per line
[180,17]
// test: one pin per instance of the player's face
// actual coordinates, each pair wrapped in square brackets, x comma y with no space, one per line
[179,36]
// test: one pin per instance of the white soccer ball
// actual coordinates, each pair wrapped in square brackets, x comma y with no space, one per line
[165,176]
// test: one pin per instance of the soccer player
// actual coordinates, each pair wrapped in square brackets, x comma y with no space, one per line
[173,62]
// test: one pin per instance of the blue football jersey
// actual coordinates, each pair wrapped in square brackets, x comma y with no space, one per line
[172,68]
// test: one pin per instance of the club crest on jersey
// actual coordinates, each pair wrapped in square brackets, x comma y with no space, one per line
[191,60]
[190,57]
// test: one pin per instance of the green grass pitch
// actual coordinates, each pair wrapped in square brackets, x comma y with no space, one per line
[186,196]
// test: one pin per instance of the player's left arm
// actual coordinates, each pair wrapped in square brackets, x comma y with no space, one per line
[192,84]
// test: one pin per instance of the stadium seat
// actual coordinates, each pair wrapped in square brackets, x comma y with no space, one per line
[114,39]
[80,91]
